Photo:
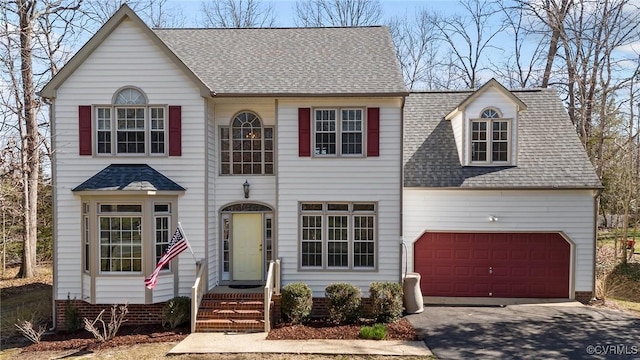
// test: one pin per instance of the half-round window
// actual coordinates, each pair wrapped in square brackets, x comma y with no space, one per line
[130,96]
[490,113]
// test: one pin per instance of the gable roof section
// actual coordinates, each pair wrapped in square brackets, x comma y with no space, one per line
[125,12]
[291,61]
[550,154]
[474,95]
[129,177]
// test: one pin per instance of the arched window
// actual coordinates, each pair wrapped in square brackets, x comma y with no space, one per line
[129,96]
[246,146]
[490,138]
[490,113]
[130,125]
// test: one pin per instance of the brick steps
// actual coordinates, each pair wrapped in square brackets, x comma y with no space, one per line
[229,325]
[238,312]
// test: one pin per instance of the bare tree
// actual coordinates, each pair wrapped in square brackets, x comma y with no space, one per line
[417,48]
[552,15]
[31,38]
[319,13]
[237,14]
[523,65]
[470,36]
[156,13]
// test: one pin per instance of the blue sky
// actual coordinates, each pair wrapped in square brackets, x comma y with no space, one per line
[285,9]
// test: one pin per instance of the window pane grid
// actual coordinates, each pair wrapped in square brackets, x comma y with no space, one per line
[363,241]
[337,241]
[162,232]
[311,240]
[268,237]
[225,245]
[157,131]
[130,130]
[352,132]
[325,126]
[500,140]
[479,141]
[104,130]
[120,243]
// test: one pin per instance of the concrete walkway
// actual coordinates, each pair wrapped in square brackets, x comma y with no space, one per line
[220,343]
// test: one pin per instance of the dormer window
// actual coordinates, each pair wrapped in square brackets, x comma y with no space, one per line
[490,138]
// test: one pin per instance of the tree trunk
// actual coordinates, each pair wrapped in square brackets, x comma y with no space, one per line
[30,153]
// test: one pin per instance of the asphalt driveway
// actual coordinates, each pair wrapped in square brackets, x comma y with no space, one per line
[549,331]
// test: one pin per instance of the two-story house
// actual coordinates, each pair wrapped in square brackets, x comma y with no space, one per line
[287,143]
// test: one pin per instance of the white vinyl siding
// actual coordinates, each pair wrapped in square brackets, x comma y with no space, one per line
[568,211]
[347,179]
[126,58]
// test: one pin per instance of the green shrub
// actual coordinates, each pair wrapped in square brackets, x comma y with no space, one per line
[344,303]
[375,332]
[386,299]
[296,302]
[176,311]
[72,319]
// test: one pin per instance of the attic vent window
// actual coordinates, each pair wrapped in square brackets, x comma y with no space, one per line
[130,96]
[490,138]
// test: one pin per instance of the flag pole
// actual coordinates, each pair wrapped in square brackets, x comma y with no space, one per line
[188,244]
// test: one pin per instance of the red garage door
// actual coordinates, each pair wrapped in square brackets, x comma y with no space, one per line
[528,265]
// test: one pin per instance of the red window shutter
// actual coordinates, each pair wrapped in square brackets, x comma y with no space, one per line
[84,130]
[175,130]
[304,132]
[373,132]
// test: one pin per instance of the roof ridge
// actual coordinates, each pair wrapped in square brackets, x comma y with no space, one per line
[276,28]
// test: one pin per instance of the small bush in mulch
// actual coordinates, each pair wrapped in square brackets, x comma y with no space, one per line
[344,303]
[375,332]
[387,301]
[176,312]
[296,302]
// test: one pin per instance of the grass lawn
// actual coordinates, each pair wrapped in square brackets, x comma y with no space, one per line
[24,299]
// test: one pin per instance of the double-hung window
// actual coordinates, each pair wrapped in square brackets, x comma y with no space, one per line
[130,125]
[162,217]
[338,132]
[490,138]
[338,236]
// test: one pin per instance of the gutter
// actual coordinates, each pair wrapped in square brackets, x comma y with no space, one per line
[54,283]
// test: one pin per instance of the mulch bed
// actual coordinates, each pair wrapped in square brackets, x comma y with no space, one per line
[127,335]
[399,330]
[131,335]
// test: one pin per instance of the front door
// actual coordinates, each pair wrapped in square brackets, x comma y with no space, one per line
[247,247]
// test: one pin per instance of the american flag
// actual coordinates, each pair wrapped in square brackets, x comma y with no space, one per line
[178,244]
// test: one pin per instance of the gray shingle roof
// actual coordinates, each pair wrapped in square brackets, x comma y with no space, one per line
[550,154]
[129,177]
[292,61]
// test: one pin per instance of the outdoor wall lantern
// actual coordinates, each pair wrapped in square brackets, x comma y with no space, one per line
[245,187]
[493,218]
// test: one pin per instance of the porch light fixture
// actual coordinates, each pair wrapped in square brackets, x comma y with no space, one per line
[493,218]
[245,187]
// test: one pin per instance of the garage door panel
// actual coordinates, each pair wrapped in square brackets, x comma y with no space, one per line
[493,264]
